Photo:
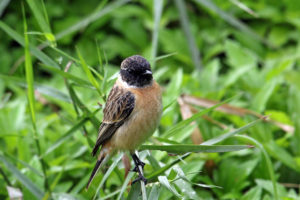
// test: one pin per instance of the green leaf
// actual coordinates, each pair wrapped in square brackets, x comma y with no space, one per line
[282,155]
[267,160]
[166,140]
[43,89]
[68,75]
[244,7]
[3,5]
[231,133]
[65,136]
[89,73]
[125,183]
[184,185]
[166,167]
[25,165]
[23,179]
[292,77]
[182,176]
[110,195]
[187,122]
[238,56]
[91,18]
[280,68]
[77,102]
[194,50]
[35,51]
[253,193]
[29,76]
[135,191]
[186,148]
[33,4]
[107,173]
[210,5]
[174,87]
[235,74]
[268,186]
[157,10]
[30,97]
[165,56]
[165,182]
[261,99]
[100,61]
[154,193]
[42,20]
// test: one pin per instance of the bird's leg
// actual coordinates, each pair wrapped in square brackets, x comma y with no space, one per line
[139,167]
[137,163]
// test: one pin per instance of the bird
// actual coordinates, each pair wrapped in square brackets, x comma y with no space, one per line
[131,114]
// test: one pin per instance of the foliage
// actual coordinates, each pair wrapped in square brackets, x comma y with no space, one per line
[59,60]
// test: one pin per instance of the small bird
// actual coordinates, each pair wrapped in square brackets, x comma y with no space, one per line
[131,114]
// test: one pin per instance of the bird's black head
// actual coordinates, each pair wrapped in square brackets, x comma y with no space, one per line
[136,71]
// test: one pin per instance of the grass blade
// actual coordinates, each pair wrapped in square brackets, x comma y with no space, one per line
[164,140]
[184,20]
[184,184]
[267,159]
[35,51]
[25,164]
[107,174]
[65,136]
[100,59]
[39,16]
[5,177]
[23,179]
[231,20]
[110,195]
[31,99]
[65,54]
[76,101]
[165,182]
[91,18]
[67,75]
[244,7]
[89,73]
[186,122]
[42,20]
[158,7]
[124,186]
[154,193]
[43,89]
[29,77]
[187,148]
[156,173]
[134,192]
[165,56]
[231,133]
[3,5]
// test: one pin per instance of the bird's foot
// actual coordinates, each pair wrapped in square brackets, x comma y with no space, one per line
[136,168]
[139,167]
[140,178]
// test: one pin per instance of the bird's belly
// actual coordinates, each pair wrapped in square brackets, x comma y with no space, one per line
[138,128]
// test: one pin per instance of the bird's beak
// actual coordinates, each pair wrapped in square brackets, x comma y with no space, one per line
[147,72]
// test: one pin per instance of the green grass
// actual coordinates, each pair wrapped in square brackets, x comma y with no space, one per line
[59,61]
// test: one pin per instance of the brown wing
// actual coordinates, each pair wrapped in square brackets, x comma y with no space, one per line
[119,106]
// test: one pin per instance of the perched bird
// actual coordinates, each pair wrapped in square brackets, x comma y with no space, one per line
[131,114]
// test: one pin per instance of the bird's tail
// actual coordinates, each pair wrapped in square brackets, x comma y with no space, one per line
[102,159]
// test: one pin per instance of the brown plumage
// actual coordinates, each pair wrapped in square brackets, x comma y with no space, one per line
[131,114]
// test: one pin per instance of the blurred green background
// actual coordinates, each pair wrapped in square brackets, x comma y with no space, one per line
[59,60]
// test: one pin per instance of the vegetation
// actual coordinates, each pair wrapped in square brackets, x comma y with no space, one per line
[223,66]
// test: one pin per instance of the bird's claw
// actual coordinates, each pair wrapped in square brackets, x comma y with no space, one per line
[136,168]
[140,178]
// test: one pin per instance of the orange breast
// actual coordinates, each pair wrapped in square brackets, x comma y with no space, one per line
[143,120]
